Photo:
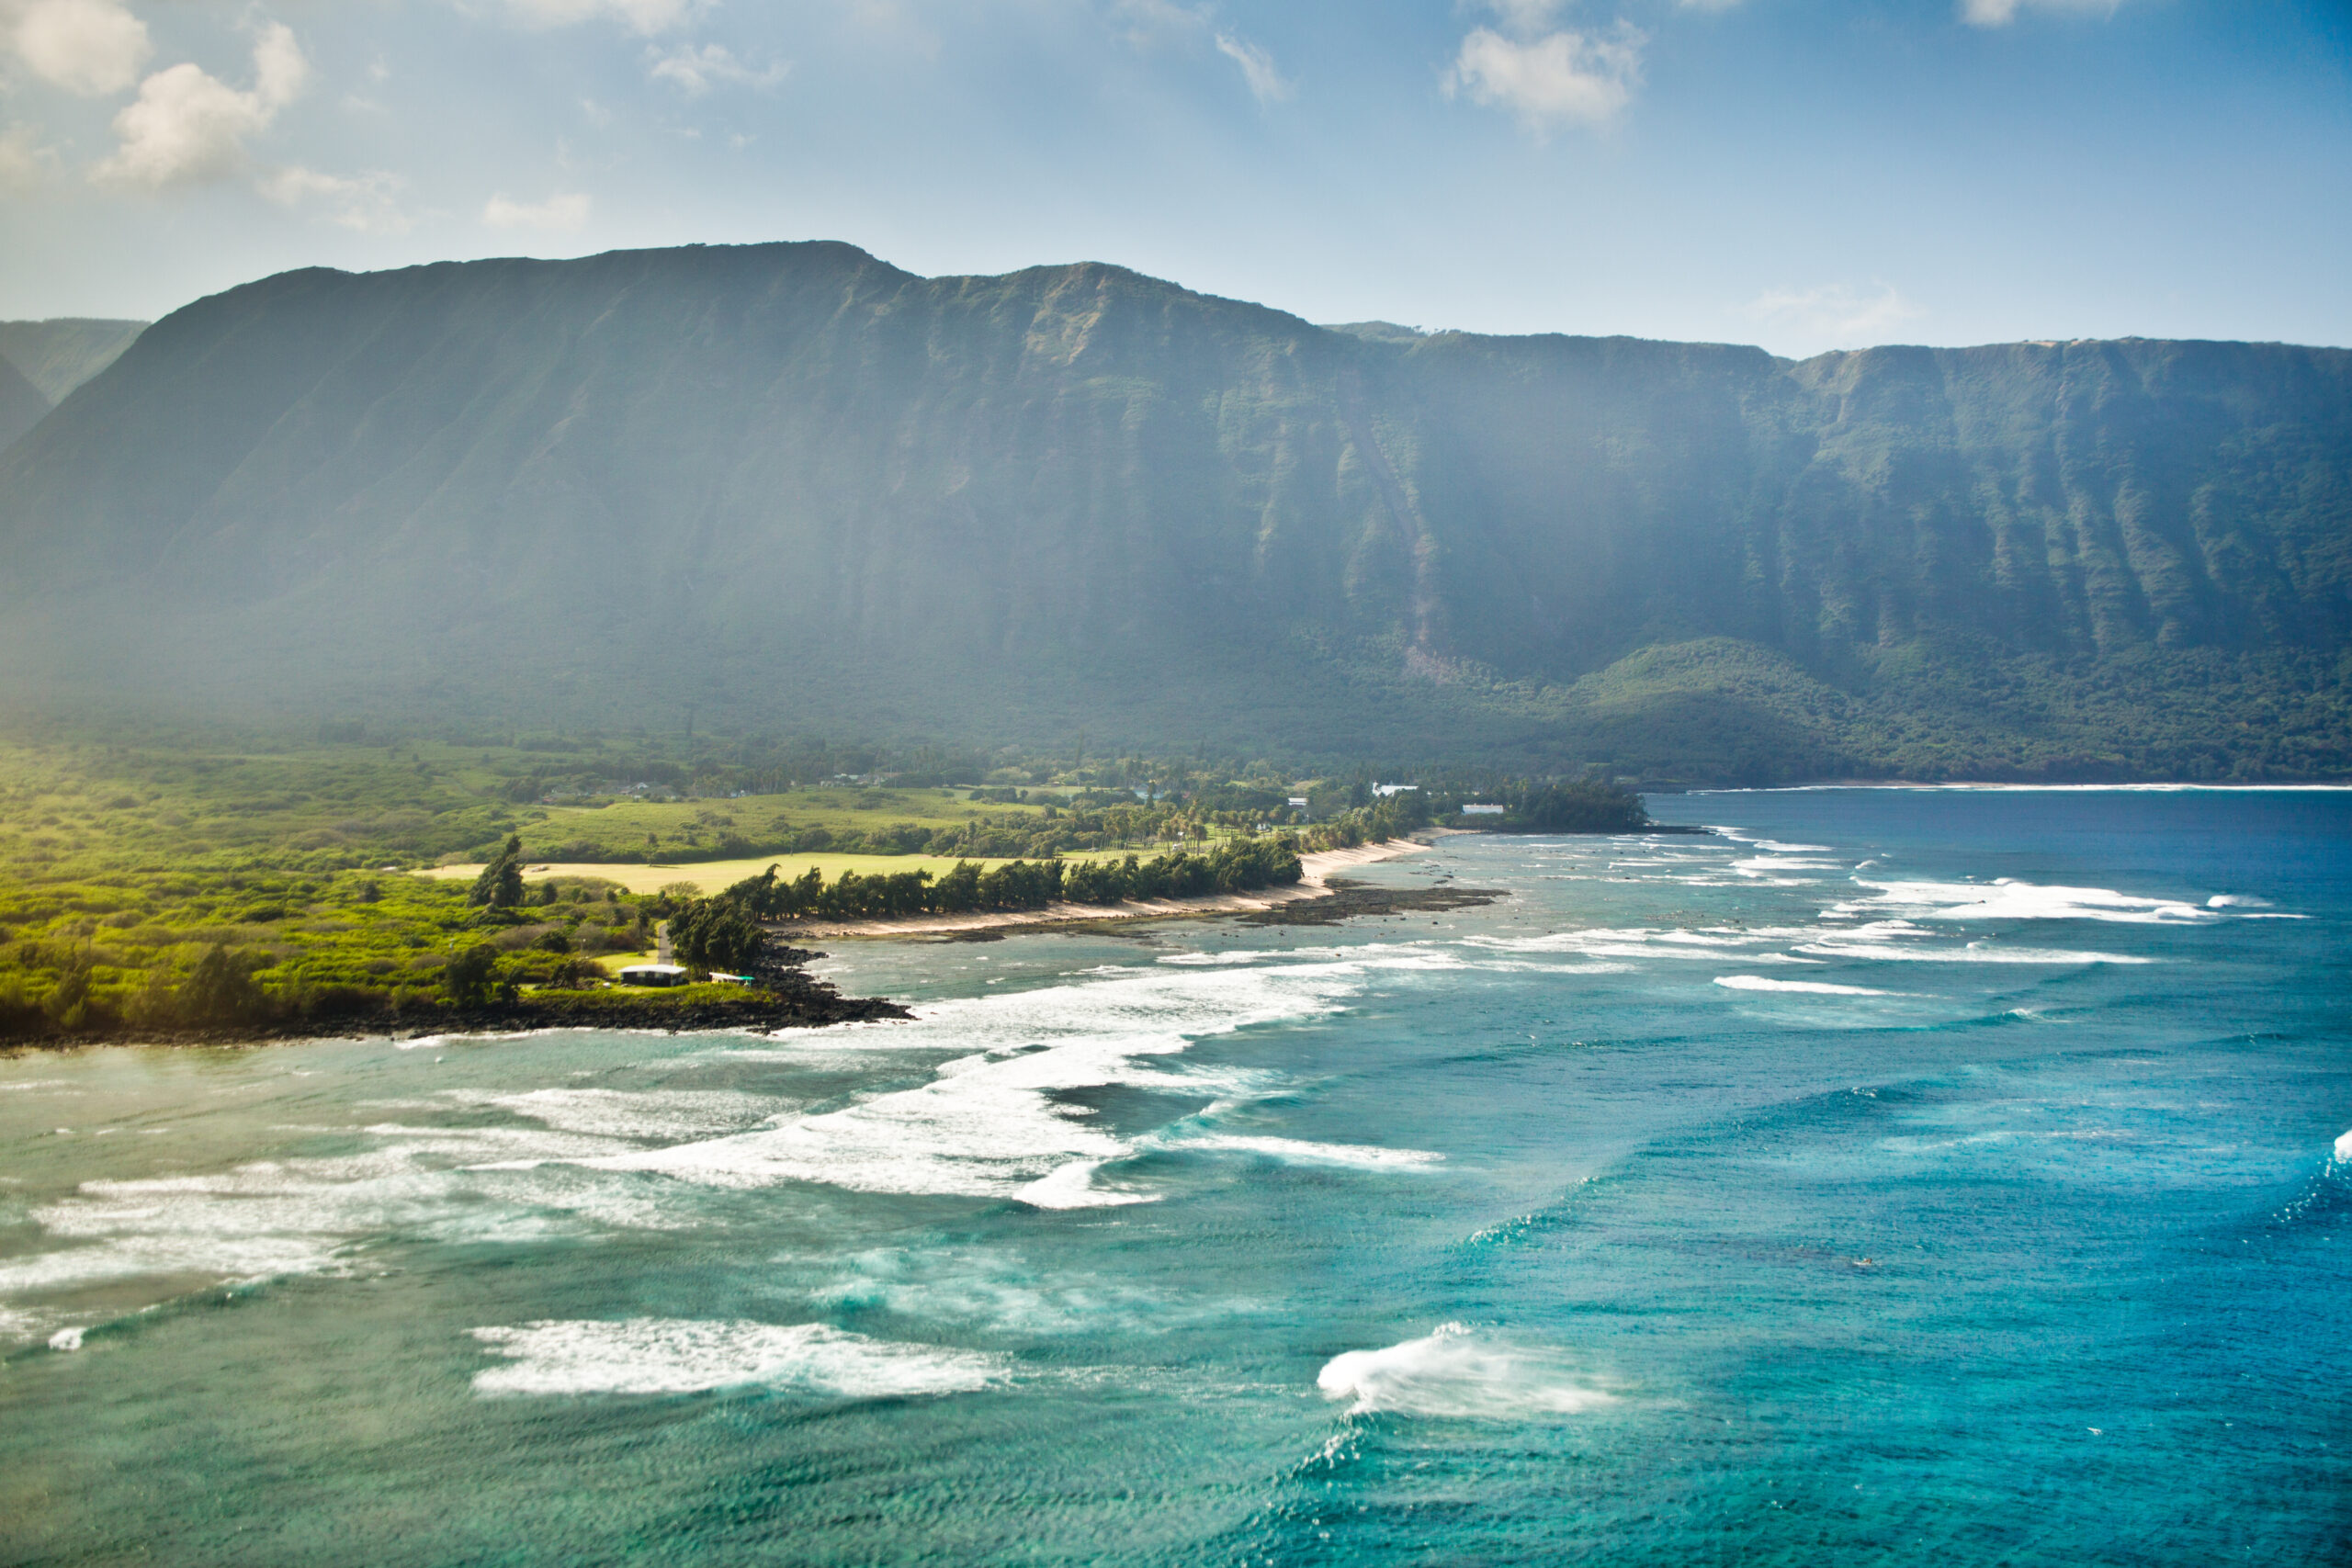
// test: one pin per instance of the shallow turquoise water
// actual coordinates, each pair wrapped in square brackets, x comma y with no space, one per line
[1912,1175]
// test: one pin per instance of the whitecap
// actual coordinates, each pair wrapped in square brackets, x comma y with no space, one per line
[2011,899]
[1072,1186]
[2344,1149]
[2236,902]
[1455,1372]
[1811,988]
[1300,1151]
[991,1123]
[271,1218]
[662,1355]
[1843,945]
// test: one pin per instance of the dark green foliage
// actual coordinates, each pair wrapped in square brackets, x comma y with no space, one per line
[220,991]
[1073,499]
[499,885]
[714,933]
[68,1002]
[1231,867]
[467,978]
[1585,805]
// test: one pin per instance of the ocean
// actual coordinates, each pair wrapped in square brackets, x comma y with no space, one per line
[1895,1175]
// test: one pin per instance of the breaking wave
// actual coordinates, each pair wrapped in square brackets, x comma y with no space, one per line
[1459,1374]
[664,1354]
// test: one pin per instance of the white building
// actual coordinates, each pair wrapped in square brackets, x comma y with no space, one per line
[1484,810]
[1383,791]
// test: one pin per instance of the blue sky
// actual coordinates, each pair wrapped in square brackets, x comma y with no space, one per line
[1805,176]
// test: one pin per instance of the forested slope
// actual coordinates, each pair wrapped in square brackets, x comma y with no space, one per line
[795,487]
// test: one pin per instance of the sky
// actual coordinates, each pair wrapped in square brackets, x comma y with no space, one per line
[1800,173]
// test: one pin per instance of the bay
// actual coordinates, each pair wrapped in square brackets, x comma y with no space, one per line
[1894,1173]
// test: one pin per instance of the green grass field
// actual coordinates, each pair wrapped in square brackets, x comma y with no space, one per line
[675,831]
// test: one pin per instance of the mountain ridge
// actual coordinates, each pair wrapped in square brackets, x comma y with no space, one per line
[1074,496]
[22,404]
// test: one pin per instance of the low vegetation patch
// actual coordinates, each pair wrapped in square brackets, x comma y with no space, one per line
[179,889]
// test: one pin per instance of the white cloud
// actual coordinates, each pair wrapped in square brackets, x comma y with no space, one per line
[25,164]
[1525,19]
[1837,314]
[368,203]
[2001,13]
[91,47]
[1266,84]
[557,214]
[1548,78]
[647,16]
[1149,23]
[696,71]
[187,126]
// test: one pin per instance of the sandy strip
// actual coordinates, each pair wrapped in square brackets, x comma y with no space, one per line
[1315,872]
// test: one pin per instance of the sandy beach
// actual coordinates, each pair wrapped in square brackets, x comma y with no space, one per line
[709,876]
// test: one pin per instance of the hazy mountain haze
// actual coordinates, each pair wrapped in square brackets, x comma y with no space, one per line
[799,486]
[21,403]
[59,355]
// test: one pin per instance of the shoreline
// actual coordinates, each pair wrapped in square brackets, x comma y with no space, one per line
[806,1003]
[1315,872]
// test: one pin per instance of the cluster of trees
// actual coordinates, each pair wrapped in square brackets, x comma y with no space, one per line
[1590,804]
[499,885]
[1238,865]
[723,931]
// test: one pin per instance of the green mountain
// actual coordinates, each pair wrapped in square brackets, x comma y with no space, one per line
[59,355]
[793,487]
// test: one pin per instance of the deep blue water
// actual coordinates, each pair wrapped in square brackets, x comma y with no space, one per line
[1909,1176]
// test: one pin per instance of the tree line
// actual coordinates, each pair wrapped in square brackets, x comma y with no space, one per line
[723,931]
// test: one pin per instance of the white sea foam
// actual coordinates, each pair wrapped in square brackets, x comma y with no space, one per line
[2236,902]
[1299,1151]
[1811,988]
[622,1113]
[663,1355]
[270,1218]
[1772,865]
[1072,1186]
[990,1123]
[1902,941]
[2344,1149]
[2011,899]
[1456,1373]
[1647,941]
[990,1287]
[66,1339]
